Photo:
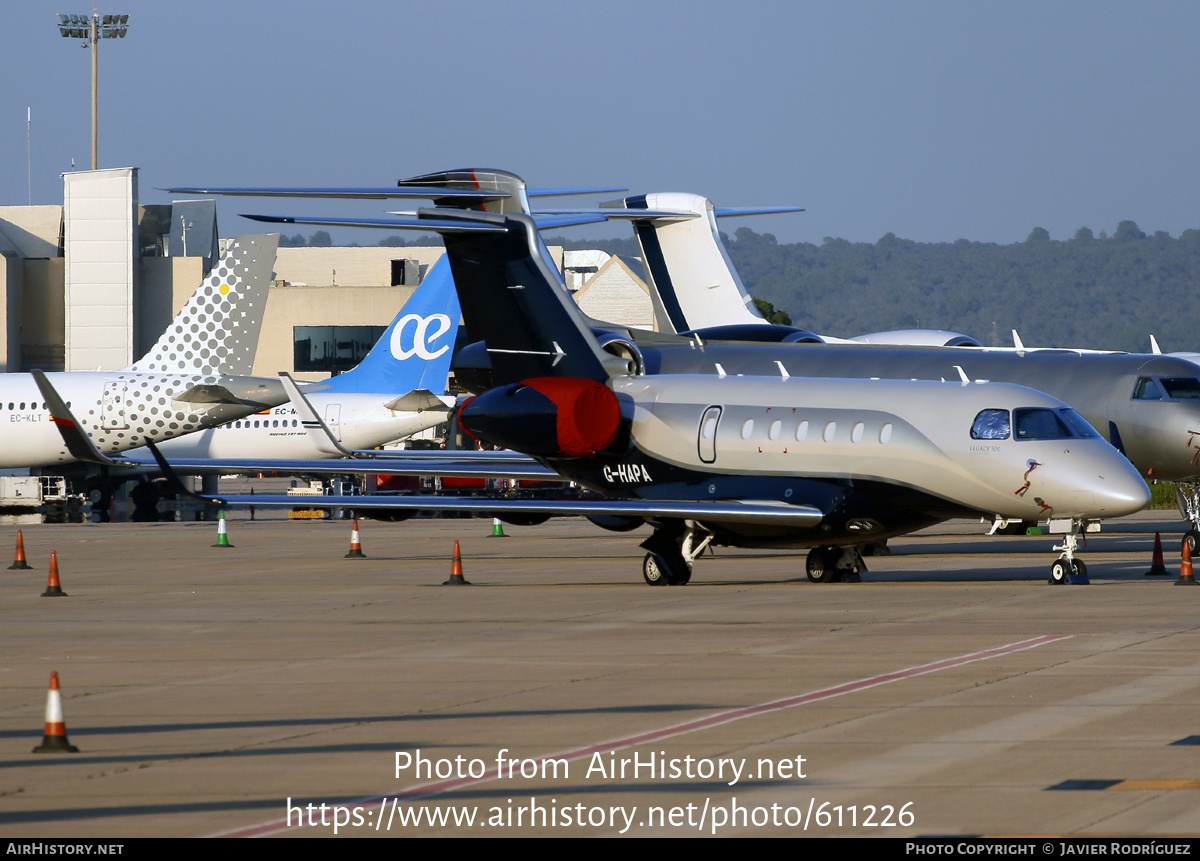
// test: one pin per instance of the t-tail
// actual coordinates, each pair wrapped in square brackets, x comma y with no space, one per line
[216,332]
[693,282]
[414,352]
[511,299]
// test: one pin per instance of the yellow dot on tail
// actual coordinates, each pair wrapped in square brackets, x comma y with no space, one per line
[224,289]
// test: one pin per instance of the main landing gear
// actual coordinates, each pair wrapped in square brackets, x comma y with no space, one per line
[1187,499]
[673,550]
[1067,566]
[834,565]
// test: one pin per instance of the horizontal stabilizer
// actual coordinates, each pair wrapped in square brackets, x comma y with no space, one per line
[409,221]
[208,394]
[387,223]
[348,193]
[545,221]
[558,192]
[736,211]
[419,400]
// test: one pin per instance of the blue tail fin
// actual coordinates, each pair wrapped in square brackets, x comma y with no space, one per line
[415,351]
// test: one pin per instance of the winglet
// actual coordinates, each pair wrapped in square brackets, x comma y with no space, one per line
[177,485]
[320,434]
[1154,348]
[78,443]
[1017,341]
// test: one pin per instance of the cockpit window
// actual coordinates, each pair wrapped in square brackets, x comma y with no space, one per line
[1038,423]
[991,424]
[1078,424]
[1146,390]
[1183,388]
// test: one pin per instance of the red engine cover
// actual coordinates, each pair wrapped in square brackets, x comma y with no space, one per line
[588,413]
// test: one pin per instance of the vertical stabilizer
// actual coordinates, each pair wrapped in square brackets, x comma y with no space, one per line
[216,332]
[513,300]
[692,280]
[415,350]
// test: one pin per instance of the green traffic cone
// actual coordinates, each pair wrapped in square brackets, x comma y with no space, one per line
[222,536]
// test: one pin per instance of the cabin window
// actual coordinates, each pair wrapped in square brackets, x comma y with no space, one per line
[801,431]
[991,424]
[776,427]
[747,428]
[830,430]
[856,432]
[885,433]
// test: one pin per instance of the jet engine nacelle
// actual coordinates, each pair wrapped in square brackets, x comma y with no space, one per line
[545,416]
[611,342]
[770,332]
[919,338]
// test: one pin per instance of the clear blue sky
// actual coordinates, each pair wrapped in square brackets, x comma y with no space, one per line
[933,120]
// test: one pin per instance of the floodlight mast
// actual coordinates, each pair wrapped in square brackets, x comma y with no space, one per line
[92,28]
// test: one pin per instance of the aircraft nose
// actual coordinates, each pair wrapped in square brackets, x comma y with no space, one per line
[1122,491]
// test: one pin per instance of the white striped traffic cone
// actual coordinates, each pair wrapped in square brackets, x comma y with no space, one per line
[222,535]
[355,546]
[55,738]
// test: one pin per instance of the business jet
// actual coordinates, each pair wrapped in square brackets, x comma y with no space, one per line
[1146,405]
[196,376]
[768,459]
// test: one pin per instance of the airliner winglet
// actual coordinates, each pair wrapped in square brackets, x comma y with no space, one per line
[78,443]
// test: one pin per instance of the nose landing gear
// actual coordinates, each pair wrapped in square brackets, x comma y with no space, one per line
[1068,569]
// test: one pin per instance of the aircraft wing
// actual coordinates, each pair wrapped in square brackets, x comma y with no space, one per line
[765,512]
[484,464]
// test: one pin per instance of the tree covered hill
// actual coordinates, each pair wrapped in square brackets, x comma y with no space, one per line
[1099,292]
[1104,293]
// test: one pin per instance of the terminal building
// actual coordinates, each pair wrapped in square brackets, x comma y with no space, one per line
[91,284]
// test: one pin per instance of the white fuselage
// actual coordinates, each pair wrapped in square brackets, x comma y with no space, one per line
[119,410]
[359,421]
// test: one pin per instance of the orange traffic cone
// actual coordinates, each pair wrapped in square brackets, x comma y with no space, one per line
[456,575]
[355,546]
[1157,568]
[19,563]
[55,738]
[53,587]
[1186,578]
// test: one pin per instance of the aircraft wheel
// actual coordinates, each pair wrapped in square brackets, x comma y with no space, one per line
[821,565]
[658,570]
[1059,572]
[1192,539]
[1080,568]
[100,496]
